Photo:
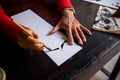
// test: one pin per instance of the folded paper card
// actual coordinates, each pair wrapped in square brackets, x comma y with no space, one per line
[61,50]
[105,22]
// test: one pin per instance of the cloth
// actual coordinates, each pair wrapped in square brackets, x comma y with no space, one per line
[7,27]
[105,21]
[11,30]
[63,4]
[60,3]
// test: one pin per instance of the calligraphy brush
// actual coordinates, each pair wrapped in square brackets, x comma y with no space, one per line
[27,33]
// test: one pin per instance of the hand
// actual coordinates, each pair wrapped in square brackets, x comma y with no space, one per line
[30,42]
[72,27]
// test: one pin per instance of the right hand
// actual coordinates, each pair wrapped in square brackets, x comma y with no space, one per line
[30,42]
[72,26]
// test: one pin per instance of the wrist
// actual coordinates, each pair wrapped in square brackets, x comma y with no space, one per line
[67,11]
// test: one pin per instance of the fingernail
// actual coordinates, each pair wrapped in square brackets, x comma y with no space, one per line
[80,42]
[84,40]
[71,43]
[90,33]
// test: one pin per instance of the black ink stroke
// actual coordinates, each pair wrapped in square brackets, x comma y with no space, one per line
[62,46]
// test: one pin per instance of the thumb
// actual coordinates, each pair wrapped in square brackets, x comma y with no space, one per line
[36,36]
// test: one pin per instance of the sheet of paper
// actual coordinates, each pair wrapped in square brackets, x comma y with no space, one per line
[56,41]
[105,22]
[110,3]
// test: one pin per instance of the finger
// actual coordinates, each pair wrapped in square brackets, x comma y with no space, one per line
[70,36]
[38,46]
[22,35]
[23,45]
[28,40]
[82,35]
[31,40]
[35,35]
[86,30]
[76,34]
[22,38]
[31,46]
[55,29]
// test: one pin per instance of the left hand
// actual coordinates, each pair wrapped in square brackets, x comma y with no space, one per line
[73,28]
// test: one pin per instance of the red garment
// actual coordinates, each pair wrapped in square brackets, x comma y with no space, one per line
[12,31]
[63,4]
[7,27]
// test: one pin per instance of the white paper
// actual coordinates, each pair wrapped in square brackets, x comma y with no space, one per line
[110,3]
[29,19]
[105,22]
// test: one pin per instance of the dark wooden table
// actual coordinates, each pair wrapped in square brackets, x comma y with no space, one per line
[21,64]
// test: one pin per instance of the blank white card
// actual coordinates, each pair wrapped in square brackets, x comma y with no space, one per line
[56,41]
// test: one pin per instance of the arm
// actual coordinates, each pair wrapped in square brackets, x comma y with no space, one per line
[13,32]
[63,4]
[69,23]
[7,27]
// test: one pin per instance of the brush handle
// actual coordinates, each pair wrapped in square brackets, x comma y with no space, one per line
[22,28]
[27,32]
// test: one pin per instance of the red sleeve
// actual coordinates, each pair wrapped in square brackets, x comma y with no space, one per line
[7,27]
[63,4]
